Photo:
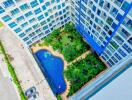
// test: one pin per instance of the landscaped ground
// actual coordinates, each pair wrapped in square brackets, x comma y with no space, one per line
[82,65]
[68,42]
[1,24]
[82,71]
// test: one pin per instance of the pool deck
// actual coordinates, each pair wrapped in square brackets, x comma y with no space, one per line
[55,53]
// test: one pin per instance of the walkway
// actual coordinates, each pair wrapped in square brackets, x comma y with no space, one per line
[25,66]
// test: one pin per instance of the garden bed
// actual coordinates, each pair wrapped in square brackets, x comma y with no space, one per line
[67,41]
[82,71]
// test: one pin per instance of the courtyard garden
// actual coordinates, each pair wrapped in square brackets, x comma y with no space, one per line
[67,41]
[82,64]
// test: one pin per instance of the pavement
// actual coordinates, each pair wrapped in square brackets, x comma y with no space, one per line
[26,68]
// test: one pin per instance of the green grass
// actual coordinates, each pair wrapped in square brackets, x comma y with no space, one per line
[68,41]
[1,25]
[82,71]
[12,72]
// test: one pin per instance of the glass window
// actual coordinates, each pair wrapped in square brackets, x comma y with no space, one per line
[37,11]
[20,18]
[13,24]
[34,3]
[47,4]
[125,6]
[117,56]
[130,41]
[41,1]
[113,43]
[8,3]
[118,2]
[32,20]
[121,52]
[24,7]
[15,11]
[1,10]
[17,30]
[6,18]
[118,39]
[44,7]
[127,48]
[24,24]
[113,11]
[28,14]
[119,17]
[40,17]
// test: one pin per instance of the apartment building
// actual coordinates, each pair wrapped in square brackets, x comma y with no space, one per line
[107,26]
[31,20]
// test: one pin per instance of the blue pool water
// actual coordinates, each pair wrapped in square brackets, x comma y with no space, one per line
[52,68]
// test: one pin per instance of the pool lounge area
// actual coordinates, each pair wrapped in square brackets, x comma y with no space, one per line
[52,67]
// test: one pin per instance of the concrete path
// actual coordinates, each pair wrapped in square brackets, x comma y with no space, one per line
[25,66]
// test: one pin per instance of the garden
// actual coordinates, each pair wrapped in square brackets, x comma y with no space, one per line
[82,71]
[67,41]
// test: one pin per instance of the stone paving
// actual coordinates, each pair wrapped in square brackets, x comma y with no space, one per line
[26,68]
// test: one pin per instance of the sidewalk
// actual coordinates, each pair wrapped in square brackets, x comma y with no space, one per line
[25,66]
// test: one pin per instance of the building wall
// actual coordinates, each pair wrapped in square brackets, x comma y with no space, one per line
[31,20]
[106,25]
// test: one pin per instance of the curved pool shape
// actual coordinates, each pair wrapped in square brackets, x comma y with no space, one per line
[52,68]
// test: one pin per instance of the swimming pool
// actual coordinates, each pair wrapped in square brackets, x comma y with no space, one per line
[52,67]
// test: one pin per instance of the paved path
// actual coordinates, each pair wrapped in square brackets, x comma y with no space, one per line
[80,57]
[25,66]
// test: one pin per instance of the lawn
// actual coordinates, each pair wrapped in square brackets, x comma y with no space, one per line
[82,71]
[67,41]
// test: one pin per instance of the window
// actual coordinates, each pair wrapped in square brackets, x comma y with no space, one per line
[1,10]
[101,2]
[8,3]
[37,11]
[125,6]
[28,30]
[41,1]
[46,14]
[117,56]
[20,18]
[22,35]
[118,39]
[121,52]
[15,11]
[44,7]
[118,2]
[130,41]
[59,6]
[127,48]
[17,30]
[34,3]
[113,11]
[24,24]
[47,4]
[6,18]
[24,7]
[32,20]
[28,14]
[114,44]
[13,24]
[119,17]
[40,17]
